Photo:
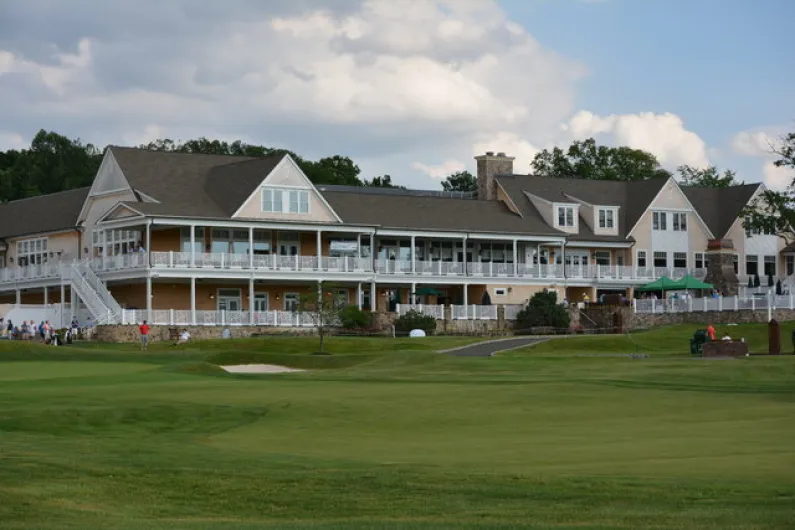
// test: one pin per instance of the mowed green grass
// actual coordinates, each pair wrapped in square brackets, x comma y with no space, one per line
[385,433]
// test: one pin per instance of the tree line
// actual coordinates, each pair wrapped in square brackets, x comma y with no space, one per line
[55,163]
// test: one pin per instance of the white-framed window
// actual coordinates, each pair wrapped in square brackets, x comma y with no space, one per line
[770,266]
[602,257]
[659,221]
[680,222]
[606,218]
[116,242]
[566,216]
[229,300]
[260,302]
[32,252]
[291,301]
[299,201]
[680,260]
[500,291]
[698,260]
[278,200]
[340,298]
[789,264]
[641,259]
[660,259]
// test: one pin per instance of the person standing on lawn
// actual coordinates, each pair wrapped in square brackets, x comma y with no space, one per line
[143,329]
[711,332]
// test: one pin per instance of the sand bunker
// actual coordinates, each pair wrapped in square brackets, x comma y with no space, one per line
[259,369]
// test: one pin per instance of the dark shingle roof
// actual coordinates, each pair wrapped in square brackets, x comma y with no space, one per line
[45,213]
[632,198]
[720,207]
[412,211]
[193,185]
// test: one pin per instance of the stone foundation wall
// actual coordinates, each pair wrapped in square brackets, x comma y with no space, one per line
[160,333]
[645,320]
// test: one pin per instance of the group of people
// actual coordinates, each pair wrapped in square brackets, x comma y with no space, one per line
[143,333]
[29,330]
[711,333]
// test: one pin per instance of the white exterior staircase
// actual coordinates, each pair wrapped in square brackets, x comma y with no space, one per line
[90,289]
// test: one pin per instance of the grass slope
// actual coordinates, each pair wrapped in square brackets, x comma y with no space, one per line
[387,434]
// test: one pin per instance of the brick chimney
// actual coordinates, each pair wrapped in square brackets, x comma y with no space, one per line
[490,166]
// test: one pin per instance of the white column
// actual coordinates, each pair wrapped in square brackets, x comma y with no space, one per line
[413,254]
[193,300]
[148,296]
[466,295]
[515,259]
[319,247]
[359,295]
[251,300]
[251,247]
[359,245]
[192,245]
[45,296]
[104,246]
[63,305]
[464,246]
[411,295]
[19,298]
[149,242]
[373,295]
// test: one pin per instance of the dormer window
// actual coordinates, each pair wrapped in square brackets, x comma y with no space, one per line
[275,200]
[566,216]
[606,218]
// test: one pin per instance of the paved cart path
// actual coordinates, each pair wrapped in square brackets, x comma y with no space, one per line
[489,348]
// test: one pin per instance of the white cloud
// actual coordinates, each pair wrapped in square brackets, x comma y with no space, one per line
[440,171]
[754,143]
[664,135]
[777,178]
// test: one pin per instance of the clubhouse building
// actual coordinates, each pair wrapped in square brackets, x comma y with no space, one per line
[205,239]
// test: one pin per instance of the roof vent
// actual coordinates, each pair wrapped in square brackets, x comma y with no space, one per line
[489,153]
[501,153]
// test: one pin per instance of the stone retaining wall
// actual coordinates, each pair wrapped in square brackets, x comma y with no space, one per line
[646,320]
[160,333]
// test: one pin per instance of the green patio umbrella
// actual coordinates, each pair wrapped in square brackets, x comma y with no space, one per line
[428,291]
[688,282]
[663,283]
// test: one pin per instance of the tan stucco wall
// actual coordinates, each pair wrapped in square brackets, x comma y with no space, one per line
[642,235]
[670,196]
[65,242]
[515,294]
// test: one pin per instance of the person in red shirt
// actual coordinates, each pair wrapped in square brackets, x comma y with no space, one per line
[143,329]
[711,332]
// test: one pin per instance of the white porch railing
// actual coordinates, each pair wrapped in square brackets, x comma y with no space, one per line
[181,317]
[473,312]
[728,303]
[32,272]
[436,311]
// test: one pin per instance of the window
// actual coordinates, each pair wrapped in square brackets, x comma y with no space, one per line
[271,200]
[606,219]
[641,259]
[116,242]
[500,291]
[736,260]
[198,239]
[291,301]
[299,201]
[566,216]
[602,257]
[699,260]
[751,265]
[340,298]
[770,265]
[275,200]
[661,259]
[680,222]
[262,243]
[31,252]
[260,302]
[790,262]
[229,300]
[680,260]
[229,241]
[659,221]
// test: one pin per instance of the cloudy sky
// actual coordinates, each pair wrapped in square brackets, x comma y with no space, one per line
[413,88]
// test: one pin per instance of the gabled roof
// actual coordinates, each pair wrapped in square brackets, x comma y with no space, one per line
[192,185]
[632,198]
[42,214]
[720,207]
[415,210]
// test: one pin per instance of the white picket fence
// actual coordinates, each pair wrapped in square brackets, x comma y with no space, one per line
[182,317]
[728,303]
